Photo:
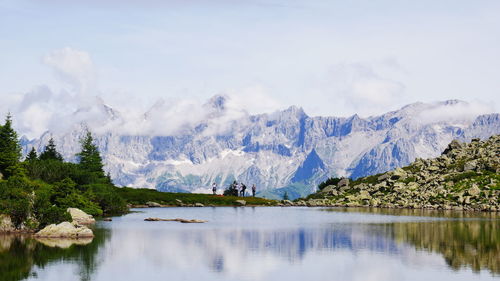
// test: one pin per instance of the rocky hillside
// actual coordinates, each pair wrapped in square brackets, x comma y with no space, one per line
[285,151]
[465,177]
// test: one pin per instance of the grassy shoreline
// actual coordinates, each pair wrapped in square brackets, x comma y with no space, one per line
[138,197]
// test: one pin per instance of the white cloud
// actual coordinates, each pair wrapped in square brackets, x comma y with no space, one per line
[74,67]
[358,86]
[454,111]
[253,99]
[361,88]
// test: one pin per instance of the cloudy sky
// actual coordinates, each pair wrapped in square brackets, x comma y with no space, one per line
[329,57]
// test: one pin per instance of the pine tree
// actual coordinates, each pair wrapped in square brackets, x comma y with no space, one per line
[285,196]
[90,158]
[50,152]
[32,156]
[10,150]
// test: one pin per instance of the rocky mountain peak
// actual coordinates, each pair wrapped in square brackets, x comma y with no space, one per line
[217,102]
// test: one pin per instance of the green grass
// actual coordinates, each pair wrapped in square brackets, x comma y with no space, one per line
[467,179]
[409,179]
[462,176]
[139,196]
[368,180]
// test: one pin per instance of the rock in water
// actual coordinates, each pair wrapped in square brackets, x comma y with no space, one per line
[178,220]
[80,217]
[199,205]
[65,230]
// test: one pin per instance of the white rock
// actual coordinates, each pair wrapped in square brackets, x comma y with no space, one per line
[241,202]
[153,204]
[65,230]
[6,224]
[80,217]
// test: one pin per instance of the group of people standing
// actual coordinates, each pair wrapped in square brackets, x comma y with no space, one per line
[236,189]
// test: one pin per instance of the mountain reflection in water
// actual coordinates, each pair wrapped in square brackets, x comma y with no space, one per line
[266,244]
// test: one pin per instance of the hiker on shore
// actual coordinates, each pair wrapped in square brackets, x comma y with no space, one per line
[253,190]
[243,188]
[214,188]
[238,189]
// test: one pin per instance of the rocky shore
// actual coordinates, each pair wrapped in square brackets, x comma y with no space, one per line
[179,203]
[466,177]
[75,229]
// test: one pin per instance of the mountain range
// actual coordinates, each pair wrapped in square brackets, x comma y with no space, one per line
[285,151]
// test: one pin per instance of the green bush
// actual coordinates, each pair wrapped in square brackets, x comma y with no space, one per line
[15,194]
[66,195]
[45,211]
[107,198]
[330,181]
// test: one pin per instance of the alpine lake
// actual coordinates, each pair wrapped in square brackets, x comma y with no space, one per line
[267,243]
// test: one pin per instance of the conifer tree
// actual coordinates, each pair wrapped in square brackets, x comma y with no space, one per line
[285,196]
[32,155]
[50,152]
[10,150]
[90,158]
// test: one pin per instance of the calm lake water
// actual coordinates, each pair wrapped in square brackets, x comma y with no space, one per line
[268,244]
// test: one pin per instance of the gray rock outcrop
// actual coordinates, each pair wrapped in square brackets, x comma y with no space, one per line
[80,217]
[464,177]
[65,230]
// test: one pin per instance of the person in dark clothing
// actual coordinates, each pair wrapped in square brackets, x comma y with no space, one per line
[253,190]
[214,188]
[243,188]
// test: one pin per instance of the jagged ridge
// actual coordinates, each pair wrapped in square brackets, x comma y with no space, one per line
[269,149]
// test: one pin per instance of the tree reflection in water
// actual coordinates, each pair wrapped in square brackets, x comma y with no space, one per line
[464,239]
[21,256]
[464,243]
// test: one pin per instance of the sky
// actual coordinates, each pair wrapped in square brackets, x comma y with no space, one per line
[332,58]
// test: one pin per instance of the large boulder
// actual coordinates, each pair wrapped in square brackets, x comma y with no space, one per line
[329,189]
[240,202]
[474,190]
[454,145]
[65,230]
[344,182]
[384,176]
[153,204]
[6,224]
[80,217]
[398,174]
[364,195]
[470,166]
